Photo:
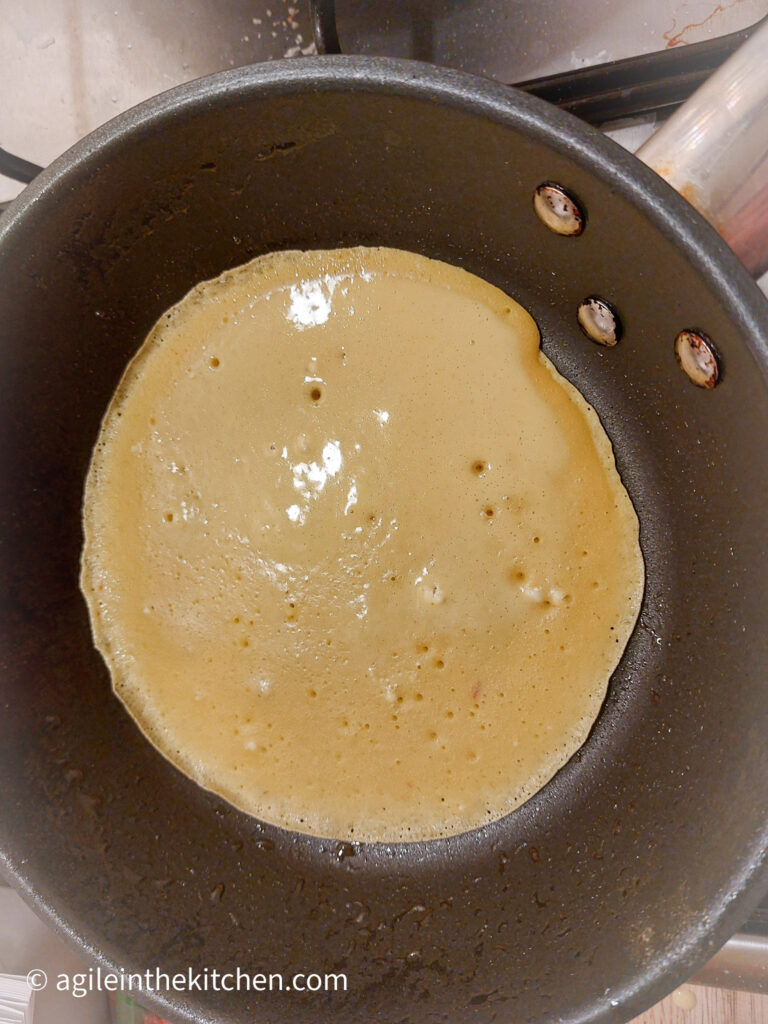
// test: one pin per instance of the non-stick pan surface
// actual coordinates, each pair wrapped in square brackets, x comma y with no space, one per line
[641,856]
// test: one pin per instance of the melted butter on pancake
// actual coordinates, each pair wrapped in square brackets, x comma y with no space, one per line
[357,556]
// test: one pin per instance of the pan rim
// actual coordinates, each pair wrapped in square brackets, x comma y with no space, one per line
[563,132]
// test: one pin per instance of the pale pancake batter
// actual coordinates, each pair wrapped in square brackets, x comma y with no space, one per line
[357,556]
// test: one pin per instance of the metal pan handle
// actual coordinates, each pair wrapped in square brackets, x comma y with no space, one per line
[714,151]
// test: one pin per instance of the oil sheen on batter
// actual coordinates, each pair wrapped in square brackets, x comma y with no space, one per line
[357,556]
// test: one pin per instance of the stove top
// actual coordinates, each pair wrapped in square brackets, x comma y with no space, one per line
[70,66]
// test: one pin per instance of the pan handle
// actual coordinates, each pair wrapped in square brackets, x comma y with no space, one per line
[714,151]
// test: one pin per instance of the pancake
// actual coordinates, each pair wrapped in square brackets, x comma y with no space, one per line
[357,557]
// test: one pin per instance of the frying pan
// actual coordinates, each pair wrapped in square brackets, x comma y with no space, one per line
[630,868]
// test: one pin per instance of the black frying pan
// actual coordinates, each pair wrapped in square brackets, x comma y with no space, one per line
[647,849]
